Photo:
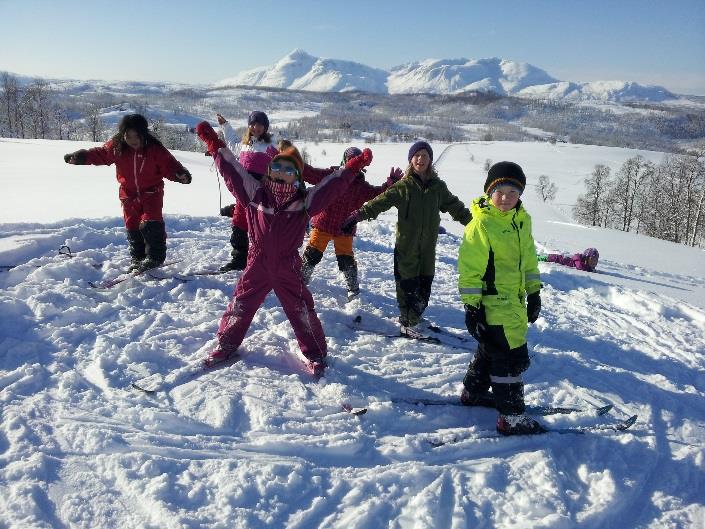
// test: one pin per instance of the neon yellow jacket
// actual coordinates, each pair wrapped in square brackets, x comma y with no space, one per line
[497,261]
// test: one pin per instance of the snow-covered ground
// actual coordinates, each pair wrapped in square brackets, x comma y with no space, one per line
[260,444]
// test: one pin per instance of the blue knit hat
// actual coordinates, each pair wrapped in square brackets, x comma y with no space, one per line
[351,152]
[416,147]
[257,116]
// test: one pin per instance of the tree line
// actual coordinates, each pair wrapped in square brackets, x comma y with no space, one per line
[665,200]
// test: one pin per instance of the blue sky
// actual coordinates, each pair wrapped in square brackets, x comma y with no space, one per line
[652,42]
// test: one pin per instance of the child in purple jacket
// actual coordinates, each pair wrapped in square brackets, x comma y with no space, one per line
[278,209]
[586,261]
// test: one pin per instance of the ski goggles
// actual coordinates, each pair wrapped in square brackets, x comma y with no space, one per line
[281,168]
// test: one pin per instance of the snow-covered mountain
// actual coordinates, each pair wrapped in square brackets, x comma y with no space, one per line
[301,71]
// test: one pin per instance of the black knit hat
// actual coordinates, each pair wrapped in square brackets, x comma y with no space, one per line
[416,147]
[257,116]
[507,173]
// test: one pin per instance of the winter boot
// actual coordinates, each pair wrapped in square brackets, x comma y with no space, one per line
[154,235]
[240,244]
[217,357]
[317,367]
[518,425]
[312,256]
[348,266]
[137,249]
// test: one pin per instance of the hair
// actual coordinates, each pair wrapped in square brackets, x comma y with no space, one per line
[284,144]
[138,123]
[247,137]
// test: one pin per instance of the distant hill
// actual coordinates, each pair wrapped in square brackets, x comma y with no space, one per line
[300,71]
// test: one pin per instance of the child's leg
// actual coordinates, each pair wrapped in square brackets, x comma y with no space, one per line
[314,252]
[477,377]
[238,315]
[297,302]
[152,227]
[346,262]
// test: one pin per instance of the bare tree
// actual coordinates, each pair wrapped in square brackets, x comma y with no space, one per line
[546,189]
[94,123]
[591,207]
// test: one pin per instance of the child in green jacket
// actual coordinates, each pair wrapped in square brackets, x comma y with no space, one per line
[419,196]
[497,268]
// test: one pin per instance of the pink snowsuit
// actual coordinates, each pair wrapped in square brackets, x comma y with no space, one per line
[273,262]
[574,261]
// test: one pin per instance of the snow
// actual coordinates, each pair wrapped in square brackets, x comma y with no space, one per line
[259,443]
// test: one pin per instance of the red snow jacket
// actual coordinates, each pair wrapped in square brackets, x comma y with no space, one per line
[137,171]
[359,192]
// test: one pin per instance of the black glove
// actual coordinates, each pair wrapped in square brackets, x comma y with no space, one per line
[76,158]
[533,306]
[475,321]
[349,224]
[227,211]
[184,177]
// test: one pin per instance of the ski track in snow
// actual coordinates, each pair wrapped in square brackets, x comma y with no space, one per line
[259,443]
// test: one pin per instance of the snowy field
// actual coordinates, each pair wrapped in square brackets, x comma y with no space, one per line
[260,444]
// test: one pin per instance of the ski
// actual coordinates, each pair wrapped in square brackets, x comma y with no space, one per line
[354,411]
[153,384]
[488,402]
[422,338]
[574,430]
[109,283]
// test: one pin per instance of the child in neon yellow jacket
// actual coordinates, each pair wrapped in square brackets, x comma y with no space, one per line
[497,268]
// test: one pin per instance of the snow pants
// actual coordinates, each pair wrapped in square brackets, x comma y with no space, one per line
[145,207]
[413,288]
[256,282]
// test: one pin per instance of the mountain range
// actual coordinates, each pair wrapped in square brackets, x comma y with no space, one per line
[300,71]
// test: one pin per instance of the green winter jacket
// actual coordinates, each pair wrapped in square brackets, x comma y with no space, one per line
[497,266]
[418,216]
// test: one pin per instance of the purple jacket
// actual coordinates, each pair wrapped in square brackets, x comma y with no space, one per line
[277,232]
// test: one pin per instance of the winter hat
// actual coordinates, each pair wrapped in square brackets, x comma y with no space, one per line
[350,152]
[505,173]
[257,116]
[416,147]
[590,257]
[292,155]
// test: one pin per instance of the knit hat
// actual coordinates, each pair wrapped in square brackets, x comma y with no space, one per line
[416,147]
[257,116]
[350,152]
[590,257]
[505,173]
[292,155]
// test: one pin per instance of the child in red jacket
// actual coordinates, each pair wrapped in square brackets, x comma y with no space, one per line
[277,208]
[326,225]
[141,164]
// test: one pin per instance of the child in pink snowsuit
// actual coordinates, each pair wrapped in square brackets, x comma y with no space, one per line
[586,261]
[278,209]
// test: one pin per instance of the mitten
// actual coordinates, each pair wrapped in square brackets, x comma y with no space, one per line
[76,158]
[221,119]
[533,306]
[227,211]
[348,225]
[394,175]
[184,177]
[357,163]
[209,137]
[475,321]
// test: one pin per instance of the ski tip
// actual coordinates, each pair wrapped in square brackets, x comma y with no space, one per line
[628,423]
[354,411]
[604,409]
[143,390]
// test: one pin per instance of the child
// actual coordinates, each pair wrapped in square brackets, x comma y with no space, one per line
[419,197]
[586,261]
[255,152]
[497,268]
[141,164]
[277,209]
[326,225]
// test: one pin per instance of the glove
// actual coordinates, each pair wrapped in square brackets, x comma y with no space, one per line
[76,158]
[475,321]
[184,177]
[357,163]
[221,119]
[533,306]
[348,225]
[394,175]
[209,137]
[227,211]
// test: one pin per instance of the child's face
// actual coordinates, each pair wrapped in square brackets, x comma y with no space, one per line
[256,129]
[132,138]
[420,161]
[283,171]
[505,198]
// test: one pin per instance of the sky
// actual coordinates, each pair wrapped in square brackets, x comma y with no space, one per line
[651,42]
